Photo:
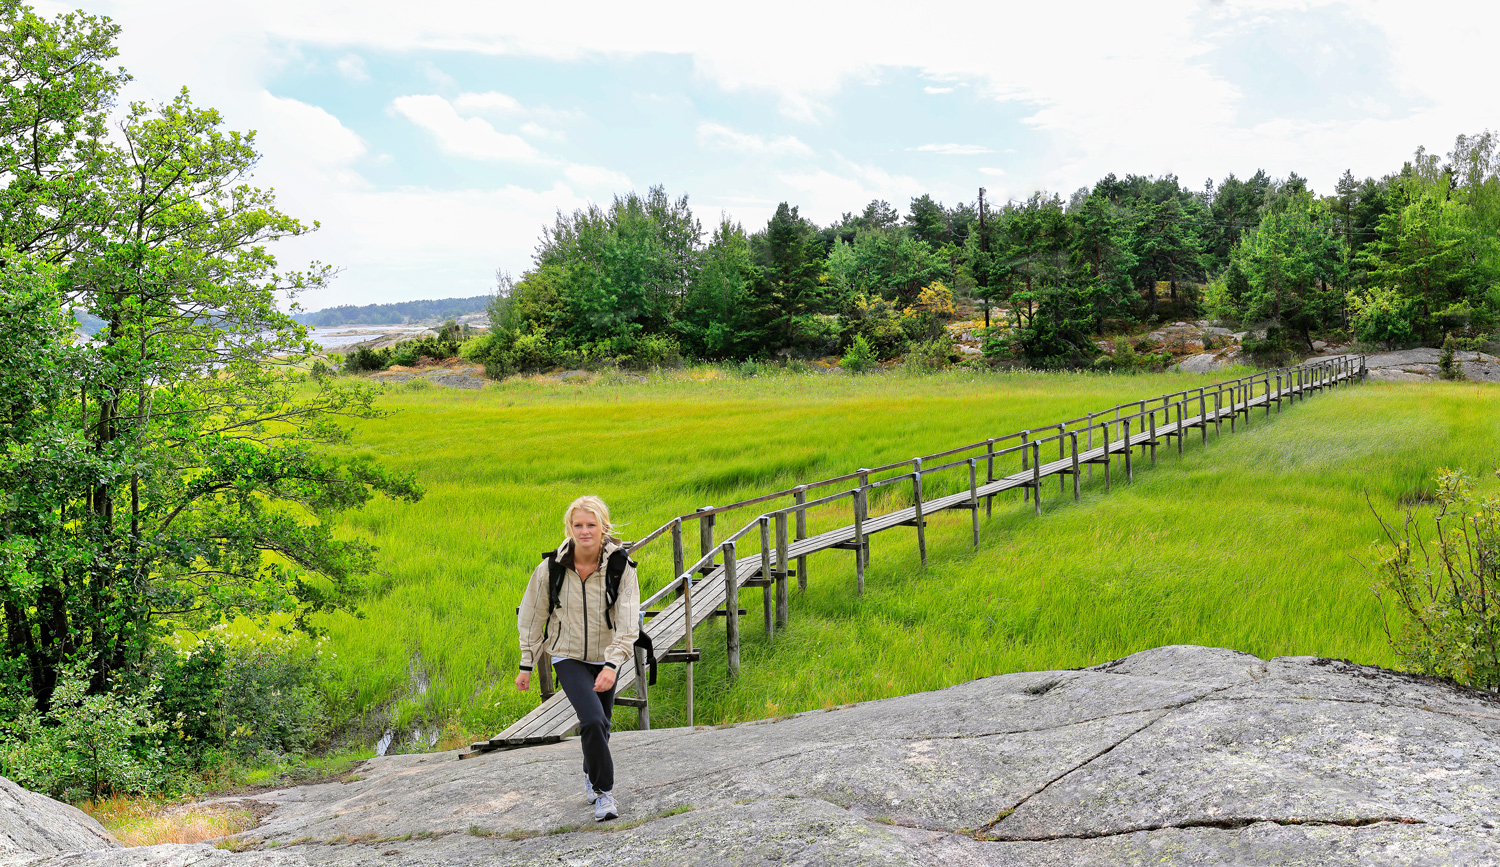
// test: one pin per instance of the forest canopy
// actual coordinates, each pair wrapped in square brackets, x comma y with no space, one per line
[1409,257]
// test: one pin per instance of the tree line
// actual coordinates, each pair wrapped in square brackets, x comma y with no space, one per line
[1405,258]
[396,313]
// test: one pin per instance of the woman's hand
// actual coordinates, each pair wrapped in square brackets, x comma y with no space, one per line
[605,680]
[523,681]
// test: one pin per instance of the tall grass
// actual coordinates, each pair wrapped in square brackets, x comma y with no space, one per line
[1248,543]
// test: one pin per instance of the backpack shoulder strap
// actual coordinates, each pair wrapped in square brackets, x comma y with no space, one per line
[556,573]
[613,571]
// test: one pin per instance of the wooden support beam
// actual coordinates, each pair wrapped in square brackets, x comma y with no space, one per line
[916,493]
[732,609]
[766,581]
[801,534]
[974,497]
[643,713]
[781,561]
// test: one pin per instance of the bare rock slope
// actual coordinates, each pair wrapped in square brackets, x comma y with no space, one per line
[1178,755]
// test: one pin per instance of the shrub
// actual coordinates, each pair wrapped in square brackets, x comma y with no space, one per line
[1275,350]
[85,745]
[320,370]
[929,355]
[655,350]
[1382,317]
[1448,592]
[1449,366]
[363,358]
[860,358]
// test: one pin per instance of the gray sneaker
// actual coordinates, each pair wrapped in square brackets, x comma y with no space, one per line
[604,807]
[588,789]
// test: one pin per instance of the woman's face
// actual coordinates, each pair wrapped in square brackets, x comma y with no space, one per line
[586,532]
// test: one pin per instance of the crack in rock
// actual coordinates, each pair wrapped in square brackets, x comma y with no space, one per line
[1166,712]
[1221,824]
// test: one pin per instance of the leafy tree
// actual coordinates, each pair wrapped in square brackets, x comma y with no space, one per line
[55,96]
[167,474]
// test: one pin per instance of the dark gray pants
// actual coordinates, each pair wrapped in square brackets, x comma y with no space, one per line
[593,709]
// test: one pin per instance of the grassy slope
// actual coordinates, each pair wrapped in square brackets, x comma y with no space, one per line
[1246,544]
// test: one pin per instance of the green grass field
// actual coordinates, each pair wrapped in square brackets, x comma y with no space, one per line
[1249,543]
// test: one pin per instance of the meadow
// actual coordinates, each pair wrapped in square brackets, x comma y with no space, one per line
[1250,542]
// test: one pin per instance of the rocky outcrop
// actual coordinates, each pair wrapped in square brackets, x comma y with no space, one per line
[1418,365]
[1178,755]
[34,825]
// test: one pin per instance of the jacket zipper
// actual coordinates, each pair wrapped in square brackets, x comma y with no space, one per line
[583,590]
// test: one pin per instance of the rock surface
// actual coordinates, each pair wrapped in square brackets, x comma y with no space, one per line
[32,825]
[1177,755]
[1410,365]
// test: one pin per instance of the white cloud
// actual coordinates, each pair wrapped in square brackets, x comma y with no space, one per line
[992,172]
[467,137]
[352,67]
[953,149]
[930,89]
[597,178]
[489,102]
[826,194]
[536,130]
[320,138]
[719,137]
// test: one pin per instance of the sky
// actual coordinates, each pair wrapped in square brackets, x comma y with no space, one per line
[432,141]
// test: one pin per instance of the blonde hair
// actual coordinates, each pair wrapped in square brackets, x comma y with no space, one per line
[588,503]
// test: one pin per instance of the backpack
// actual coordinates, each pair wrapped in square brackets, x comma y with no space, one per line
[614,569]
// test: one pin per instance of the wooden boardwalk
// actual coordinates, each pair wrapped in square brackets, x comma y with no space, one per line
[1109,442]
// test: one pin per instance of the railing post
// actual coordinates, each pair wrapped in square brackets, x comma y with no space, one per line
[731,610]
[1062,483]
[687,615]
[1268,395]
[1077,493]
[916,492]
[781,563]
[974,497]
[1153,438]
[765,574]
[1203,414]
[643,713]
[1219,411]
[989,475]
[1025,462]
[706,536]
[1181,420]
[545,679]
[1107,460]
[678,563]
[1036,476]
[1129,471]
[801,534]
[1090,445]
[1278,394]
[860,545]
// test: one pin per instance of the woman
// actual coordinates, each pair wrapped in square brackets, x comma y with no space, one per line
[582,606]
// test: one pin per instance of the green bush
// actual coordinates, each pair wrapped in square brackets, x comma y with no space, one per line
[1449,367]
[85,745]
[363,358]
[655,350]
[1274,350]
[860,358]
[929,355]
[1446,589]
[1382,317]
